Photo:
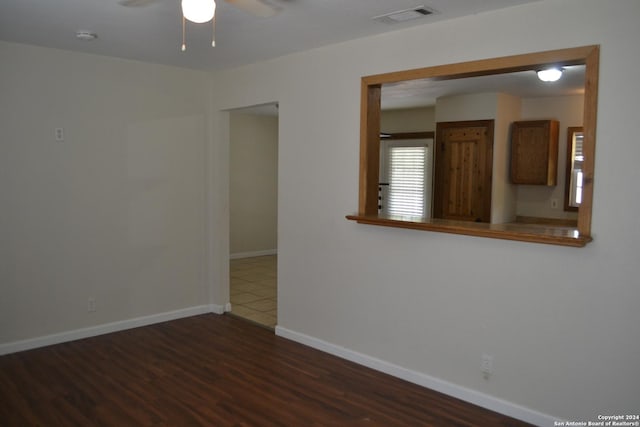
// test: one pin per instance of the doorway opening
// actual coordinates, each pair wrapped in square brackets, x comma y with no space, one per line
[253,289]
[253,213]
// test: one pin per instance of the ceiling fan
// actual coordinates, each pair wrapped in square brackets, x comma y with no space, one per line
[261,8]
[201,11]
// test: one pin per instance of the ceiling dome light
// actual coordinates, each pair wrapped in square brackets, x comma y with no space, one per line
[550,74]
[86,36]
[198,11]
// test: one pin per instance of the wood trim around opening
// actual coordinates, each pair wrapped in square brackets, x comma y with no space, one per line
[370,136]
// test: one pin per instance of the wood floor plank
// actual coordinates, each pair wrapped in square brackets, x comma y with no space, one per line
[213,370]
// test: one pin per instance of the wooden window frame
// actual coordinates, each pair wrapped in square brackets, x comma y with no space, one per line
[371,87]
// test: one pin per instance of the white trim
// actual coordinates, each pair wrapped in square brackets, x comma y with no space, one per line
[13,347]
[252,254]
[216,309]
[472,396]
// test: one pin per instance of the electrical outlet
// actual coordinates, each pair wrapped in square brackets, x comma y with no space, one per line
[554,203]
[91,305]
[59,134]
[487,365]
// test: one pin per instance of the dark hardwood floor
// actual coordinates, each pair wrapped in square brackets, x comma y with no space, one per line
[212,370]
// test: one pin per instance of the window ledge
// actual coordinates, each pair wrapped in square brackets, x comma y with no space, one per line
[535,233]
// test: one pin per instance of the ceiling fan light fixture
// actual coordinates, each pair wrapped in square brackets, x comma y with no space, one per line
[199,11]
[552,74]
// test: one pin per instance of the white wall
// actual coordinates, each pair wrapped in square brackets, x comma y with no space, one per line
[476,106]
[253,183]
[420,119]
[116,211]
[560,322]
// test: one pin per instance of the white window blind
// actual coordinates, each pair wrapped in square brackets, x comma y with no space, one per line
[407,169]
[577,176]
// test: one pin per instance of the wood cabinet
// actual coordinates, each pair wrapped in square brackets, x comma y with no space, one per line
[534,152]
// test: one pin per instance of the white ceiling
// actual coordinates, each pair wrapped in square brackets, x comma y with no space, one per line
[524,84]
[154,33]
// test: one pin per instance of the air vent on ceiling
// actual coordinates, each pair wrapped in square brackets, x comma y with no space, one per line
[404,15]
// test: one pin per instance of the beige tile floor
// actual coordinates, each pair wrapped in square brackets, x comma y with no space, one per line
[254,289]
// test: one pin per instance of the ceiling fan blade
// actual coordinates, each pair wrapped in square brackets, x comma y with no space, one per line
[136,3]
[255,7]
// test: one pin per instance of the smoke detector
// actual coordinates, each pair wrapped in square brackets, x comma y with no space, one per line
[404,15]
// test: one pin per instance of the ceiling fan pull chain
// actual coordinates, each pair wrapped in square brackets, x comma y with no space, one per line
[213,32]
[184,45]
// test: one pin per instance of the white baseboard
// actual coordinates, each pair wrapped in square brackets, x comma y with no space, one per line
[475,397]
[265,252]
[216,308]
[13,347]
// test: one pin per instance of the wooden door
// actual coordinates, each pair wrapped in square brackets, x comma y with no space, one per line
[464,163]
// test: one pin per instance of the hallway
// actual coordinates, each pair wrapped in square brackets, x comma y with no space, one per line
[254,289]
